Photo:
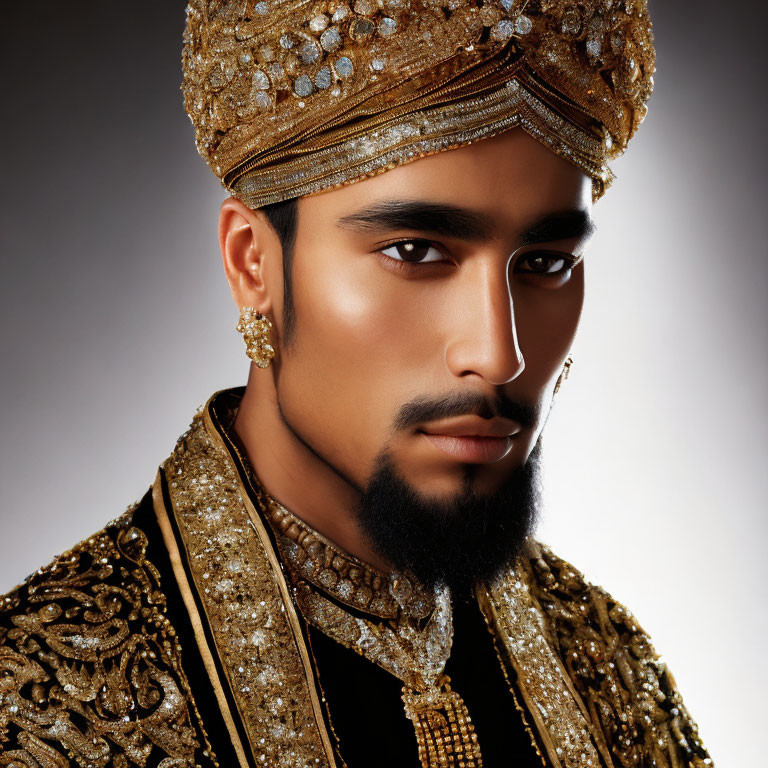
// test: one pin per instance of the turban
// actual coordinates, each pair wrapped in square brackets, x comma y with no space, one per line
[289,98]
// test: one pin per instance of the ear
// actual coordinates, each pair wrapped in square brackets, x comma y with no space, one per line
[252,256]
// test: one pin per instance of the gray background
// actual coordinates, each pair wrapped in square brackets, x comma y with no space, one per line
[117,324]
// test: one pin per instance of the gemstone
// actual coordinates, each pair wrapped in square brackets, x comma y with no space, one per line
[378,64]
[593,47]
[362,595]
[309,52]
[327,578]
[261,8]
[507,5]
[323,78]
[365,7]
[318,23]
[245,58]
[340,13]
[276,70]
[361,29]
[523,25]
[401,590]
[503,30]
[260,80]
[571,24]
[387,26]
[286,41]
[330,39]
[263,101]
[488,14]
[344,66]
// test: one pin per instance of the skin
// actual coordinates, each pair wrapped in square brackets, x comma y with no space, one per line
[373,335]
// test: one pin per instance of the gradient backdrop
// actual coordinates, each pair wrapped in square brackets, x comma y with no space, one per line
[117,323]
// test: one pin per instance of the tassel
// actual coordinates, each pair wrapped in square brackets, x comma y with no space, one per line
[444,730]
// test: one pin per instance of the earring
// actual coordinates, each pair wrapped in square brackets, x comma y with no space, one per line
[564,373]
[255,328]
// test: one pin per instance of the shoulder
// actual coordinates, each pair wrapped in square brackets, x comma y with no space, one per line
[614,667]
[89,663]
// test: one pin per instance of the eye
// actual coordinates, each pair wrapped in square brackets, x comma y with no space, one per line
[545,263]
[413,252]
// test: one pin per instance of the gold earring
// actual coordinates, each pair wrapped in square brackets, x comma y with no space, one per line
[255,328]
[564,373]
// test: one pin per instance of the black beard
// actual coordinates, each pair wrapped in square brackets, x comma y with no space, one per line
[467,539]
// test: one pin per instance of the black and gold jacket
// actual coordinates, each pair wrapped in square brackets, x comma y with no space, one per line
[172,638]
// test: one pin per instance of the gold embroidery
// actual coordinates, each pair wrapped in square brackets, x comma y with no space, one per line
[291,99]
[507,671]
[90,670]
[247,604]
[630,695]
[547,693]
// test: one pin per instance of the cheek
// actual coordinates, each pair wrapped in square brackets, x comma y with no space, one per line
[365,322]
[547,321]
[357,351]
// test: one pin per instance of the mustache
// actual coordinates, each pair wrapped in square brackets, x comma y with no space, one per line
[467,403]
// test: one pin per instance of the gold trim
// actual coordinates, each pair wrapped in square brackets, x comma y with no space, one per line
[256,632]
[189,601]
[290,608]
[420,134]
[504,666]
[550,698]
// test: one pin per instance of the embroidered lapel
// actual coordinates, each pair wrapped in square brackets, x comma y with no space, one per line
[245,621]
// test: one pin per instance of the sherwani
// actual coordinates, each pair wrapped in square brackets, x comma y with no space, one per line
[209,626]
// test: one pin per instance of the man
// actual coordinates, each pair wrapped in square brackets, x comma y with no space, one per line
[336,566]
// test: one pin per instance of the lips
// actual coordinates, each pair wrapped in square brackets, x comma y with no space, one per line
[472,439]
[472,449]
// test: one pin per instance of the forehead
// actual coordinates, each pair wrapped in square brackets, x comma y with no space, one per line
[511,177]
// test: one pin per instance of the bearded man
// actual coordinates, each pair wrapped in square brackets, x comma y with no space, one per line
[336,565]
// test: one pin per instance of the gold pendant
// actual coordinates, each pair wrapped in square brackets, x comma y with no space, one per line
[444,730]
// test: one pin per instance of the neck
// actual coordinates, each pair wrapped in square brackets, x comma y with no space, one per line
[295,476]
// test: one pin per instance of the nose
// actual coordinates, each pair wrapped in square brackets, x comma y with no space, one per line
[485,339]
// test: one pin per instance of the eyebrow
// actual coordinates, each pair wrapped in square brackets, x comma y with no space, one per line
[457,222]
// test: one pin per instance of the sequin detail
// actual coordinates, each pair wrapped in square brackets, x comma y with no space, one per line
[592,61]
[247,614]
[614,668]
[422,134]
[521,629]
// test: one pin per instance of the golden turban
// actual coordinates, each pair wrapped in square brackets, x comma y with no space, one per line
[289,98]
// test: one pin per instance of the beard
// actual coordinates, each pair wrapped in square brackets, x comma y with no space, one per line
[459,541]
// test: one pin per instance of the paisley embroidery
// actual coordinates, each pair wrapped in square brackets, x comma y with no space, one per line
[90,670]
[630,695]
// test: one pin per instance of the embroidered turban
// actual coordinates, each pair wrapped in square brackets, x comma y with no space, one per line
[290,98]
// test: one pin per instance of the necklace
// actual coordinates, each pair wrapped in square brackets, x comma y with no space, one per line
[394,622]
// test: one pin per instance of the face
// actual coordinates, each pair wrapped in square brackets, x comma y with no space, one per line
[435,305]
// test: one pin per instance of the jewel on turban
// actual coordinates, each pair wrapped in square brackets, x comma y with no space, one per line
[293,98]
